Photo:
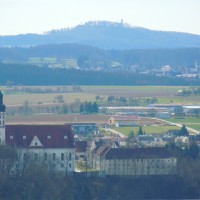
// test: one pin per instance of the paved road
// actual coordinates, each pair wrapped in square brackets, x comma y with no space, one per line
[115,132]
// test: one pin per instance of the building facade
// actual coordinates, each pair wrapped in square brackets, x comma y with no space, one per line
[50,143]
[134,161]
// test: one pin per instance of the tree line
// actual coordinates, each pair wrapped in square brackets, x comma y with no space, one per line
[89,108]
[21,74]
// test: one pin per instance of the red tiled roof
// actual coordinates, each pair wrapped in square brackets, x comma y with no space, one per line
[125,118]
[81,146]
[57,133]
[137,153]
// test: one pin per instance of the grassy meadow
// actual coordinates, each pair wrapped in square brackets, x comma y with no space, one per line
[192,122]
[146,129]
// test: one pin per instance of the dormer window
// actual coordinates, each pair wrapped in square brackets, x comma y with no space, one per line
[24,137]
[48,137]
[65,137]
[11,137]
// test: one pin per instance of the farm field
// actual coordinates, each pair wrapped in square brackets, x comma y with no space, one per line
[57,119]
[164,94]
[19,99]
[146,129]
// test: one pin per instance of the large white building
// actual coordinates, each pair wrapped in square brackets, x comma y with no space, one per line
[51,143]
[133,161]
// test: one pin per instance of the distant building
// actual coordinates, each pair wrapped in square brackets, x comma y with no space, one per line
[84,128]
[133,110]
[80,149]
[134,161]
[192,110]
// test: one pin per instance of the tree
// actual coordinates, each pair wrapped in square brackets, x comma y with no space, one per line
[98,98]
[95,108]
[111,98]
[8,156]
[81,109]
[184,131]
[122,99]
[193,150]
[59,99]
[140,131]
[130,136]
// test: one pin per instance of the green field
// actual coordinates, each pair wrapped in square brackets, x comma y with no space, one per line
[88,93]
[192,122]
[147,129]
[186,120]
[194,126]
[53,61]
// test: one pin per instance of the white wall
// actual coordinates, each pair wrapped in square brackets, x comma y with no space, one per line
[60,165]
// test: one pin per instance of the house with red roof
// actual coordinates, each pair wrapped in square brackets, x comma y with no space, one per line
[52,143]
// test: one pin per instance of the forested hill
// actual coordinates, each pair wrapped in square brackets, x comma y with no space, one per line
[32,75]
[92,57]
[107,35]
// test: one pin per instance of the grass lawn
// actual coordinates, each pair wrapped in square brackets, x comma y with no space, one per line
[185,120]
[147,129]
[194,126]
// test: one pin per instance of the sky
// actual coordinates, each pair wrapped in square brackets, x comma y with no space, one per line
[39,16]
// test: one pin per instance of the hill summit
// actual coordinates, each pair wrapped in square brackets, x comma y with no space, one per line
[107,35]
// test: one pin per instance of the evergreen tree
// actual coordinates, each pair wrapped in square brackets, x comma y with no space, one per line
[184,131]
[81,109]
[140,131]
[95,108]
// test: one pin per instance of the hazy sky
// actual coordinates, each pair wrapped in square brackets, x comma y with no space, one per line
[37,16]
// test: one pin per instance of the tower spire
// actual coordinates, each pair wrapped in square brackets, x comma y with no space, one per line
[2,106]
[2,119]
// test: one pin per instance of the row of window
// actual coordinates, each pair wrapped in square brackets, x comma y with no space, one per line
[140,160]
[50,156]
[24,137]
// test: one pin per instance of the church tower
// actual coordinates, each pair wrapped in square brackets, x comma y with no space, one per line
[2,119]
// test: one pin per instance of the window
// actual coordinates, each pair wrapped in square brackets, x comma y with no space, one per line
[70,165]
[36,156]
[54,156]
[25,156]
[11,137]
[65,137]
[62,156]
[70,156]
[24,137]
[45,156]
[48,137]
[35,143]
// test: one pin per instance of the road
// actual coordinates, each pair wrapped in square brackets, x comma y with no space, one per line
[115,132]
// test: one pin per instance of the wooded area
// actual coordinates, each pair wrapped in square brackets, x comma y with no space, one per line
[20,74]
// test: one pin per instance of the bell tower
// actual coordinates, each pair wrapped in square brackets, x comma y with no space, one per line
[2,119]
